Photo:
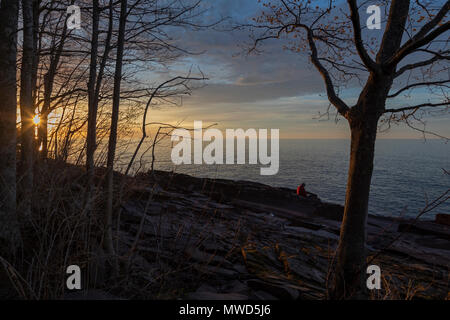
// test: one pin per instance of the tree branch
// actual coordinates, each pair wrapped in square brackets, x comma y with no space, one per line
[433,23]
[412,66]
[416,107]
[366,59]
[340,105]
[419,84]
[424,36]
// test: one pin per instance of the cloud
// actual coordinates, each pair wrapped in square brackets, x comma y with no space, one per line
[277,89]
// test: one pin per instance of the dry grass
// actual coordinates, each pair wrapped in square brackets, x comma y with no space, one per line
[61,233]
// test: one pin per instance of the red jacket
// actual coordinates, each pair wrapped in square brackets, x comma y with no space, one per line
[301,191]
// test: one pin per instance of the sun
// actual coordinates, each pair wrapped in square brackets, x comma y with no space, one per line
[36,119]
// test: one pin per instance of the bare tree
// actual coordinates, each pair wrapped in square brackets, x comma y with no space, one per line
[9,228]
[27,107]
[55,56]
[113,131]
[333,38]
[165,90]
[92,112]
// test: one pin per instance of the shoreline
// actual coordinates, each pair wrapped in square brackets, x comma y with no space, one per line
[266,242]
[181,237]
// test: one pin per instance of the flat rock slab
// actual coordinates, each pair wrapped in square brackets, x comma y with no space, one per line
[223,239]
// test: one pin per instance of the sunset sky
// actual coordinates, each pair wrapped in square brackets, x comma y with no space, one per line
[276,89]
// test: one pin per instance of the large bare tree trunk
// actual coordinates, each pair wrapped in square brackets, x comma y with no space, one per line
[9,227]
[349,275]
[27,109]
[351,250]
[350,272]
[113,133]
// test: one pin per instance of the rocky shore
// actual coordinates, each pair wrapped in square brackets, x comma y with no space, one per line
[190,238]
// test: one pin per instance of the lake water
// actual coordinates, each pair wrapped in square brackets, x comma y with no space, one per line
[406,172]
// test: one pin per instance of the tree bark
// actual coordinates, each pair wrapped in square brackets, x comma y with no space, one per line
[27,109]
[349,275]
[349,280]
[9,227]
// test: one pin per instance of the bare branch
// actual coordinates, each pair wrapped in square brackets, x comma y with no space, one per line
[340,105]
[419,84]
[424,36]
[367,60]
[437,57]
[433,23]
[416,107]
[152,96]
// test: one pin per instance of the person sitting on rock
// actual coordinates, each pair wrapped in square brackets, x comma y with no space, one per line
[301,191]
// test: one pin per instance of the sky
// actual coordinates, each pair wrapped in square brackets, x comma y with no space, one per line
[275,89]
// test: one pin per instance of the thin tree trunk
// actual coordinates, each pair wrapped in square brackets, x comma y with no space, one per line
[9,227]
[105,56]
[65,149]
[94,85]
[113,133]
[92,107]
[34,77]
[48,89]
[27,109]
[43,135]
